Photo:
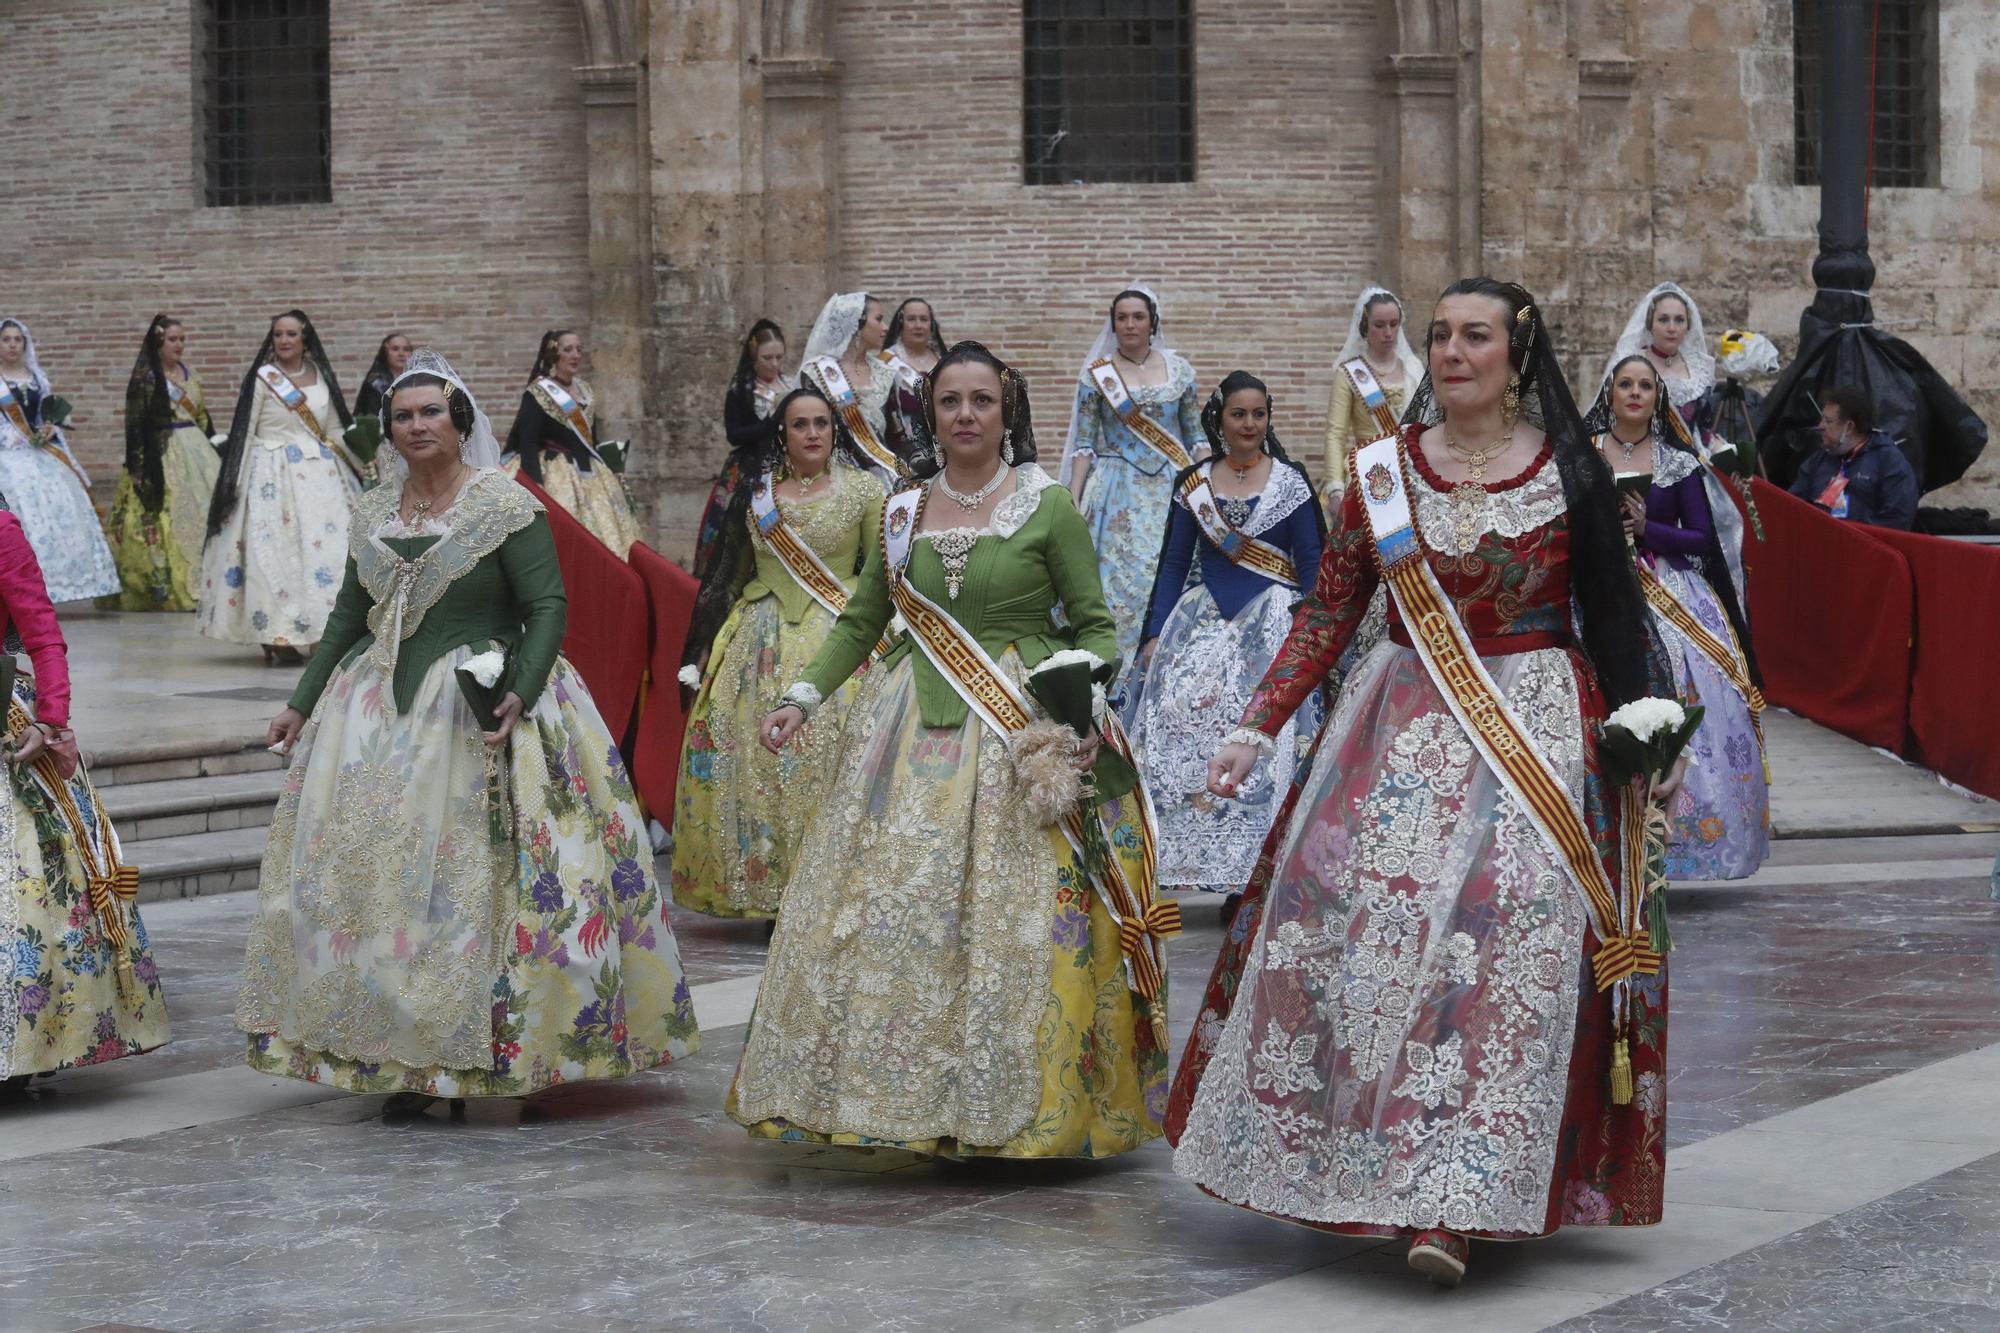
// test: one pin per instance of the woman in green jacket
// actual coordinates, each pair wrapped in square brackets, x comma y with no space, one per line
[791,547]
[945,976]
[457,898]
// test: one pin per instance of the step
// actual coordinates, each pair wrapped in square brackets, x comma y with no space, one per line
[197,865]
[122,764]
[171,807]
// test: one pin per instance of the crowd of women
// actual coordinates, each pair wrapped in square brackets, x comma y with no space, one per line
[963,732]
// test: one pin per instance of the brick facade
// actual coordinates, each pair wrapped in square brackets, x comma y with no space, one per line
[458,213]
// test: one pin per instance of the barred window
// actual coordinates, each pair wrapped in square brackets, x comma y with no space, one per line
[267,102]
[1905,133]
[1108,91]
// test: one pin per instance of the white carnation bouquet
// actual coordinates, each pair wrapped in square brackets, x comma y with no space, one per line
[1069,686]
[1644,739]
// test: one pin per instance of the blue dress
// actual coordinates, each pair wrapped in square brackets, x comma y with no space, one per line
[1126,497]
[1212,643]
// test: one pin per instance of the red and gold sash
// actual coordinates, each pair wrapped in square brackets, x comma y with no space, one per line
[1130,893]
[565,404]
[799,558]
[294,398]
[1726,658]
[1362,377]
[1111,385]
[834,380]
[1252,553]
[1446,650]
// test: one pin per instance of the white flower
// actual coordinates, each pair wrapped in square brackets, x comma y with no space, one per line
[690,677]
[219,439]
[485,668]
[1068,657]
[1647,717]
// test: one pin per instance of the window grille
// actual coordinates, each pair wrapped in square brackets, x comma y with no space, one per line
[267,102]
[1906,92]
[1108,91]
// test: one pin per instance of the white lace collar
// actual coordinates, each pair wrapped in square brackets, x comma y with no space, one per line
[1509,512]
[1670,465]
[1012,513]
[1284,491]
[1180,378]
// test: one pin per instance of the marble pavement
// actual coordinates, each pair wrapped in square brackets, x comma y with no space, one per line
[1834,1160]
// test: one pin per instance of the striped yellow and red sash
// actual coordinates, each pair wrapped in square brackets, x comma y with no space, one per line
[294,398]
[834,380]
[1727,658]
[1112,386]
[799,558]
[1253,553]
[562,403]
[1130,896]
[1446,650]
[1362,377]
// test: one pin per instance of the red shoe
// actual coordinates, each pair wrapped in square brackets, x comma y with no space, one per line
[1439,1256]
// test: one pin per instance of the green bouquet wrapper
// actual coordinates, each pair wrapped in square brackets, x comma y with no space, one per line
[614,453]
[364,438]
[1067,687]
[56,410]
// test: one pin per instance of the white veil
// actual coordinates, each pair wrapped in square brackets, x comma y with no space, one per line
[839,320]
[481,449]
[1694,347]
[1107,340]
[41,380]
[1357,340]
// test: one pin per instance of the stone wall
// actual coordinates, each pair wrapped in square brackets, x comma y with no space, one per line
[459,210]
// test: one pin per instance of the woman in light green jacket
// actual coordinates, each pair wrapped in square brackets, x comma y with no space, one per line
[763,611]
[944,978]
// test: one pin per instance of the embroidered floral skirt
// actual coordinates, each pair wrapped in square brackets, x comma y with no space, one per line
[159,554]
[1398,1034]
[942,978]
[1127,513]
[56,514]
[597,499]
[271,574]
[1201,676]
[739,810]
[64,1001]
[438,917]
[1720,824]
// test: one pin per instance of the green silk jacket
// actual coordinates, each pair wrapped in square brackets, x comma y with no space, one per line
[493,578]
[1036,555]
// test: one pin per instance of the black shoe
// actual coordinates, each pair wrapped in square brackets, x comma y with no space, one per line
[406,1105]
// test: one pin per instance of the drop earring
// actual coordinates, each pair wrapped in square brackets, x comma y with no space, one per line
[1510,402]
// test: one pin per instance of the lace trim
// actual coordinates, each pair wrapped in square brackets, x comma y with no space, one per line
[804,696]
[1508,513]
[1180,378]
[1672,466]
[1284,491]
[1013,513]
[825,521]
[489,511]
[1266,745]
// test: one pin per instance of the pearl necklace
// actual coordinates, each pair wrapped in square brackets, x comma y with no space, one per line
[971,502]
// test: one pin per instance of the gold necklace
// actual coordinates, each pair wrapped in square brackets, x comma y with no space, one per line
[1468,498]
[807,483]
[423,507]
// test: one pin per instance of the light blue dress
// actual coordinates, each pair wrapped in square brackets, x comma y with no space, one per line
[1130,489]
[45,491]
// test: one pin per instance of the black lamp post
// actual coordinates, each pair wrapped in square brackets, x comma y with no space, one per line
[1838,341]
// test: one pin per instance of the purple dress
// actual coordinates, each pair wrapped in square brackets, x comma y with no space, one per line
[1719,827]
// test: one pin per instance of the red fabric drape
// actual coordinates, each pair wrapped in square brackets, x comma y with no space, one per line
[1831,610]
[1954,708]
[656,739]
[606,641]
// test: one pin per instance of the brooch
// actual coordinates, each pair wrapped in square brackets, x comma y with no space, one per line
[1381,483]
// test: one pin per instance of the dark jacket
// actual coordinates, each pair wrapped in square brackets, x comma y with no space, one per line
[1881,484]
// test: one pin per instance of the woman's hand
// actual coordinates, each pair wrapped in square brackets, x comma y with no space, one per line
[1086,751]
[284,730]
[1634,507]
[1669,787]
[1229,768]
[779,725]
[1079,472]
[30,745]
[507,712]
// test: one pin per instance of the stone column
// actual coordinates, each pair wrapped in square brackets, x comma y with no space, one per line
[620,274]
[1431,154]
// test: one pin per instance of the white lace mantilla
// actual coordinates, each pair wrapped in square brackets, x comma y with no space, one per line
[1180,378]
[1508,513]
[1671,466]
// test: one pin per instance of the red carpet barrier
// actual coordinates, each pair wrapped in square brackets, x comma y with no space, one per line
[1954,709]
[656,739]
[606,641]
[1832,610]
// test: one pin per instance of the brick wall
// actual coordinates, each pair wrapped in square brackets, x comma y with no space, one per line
[458,210]
[1257,261]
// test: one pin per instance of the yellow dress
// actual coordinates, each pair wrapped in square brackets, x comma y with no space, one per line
[739,809]
[1349,424]
[159,553]
[596,498]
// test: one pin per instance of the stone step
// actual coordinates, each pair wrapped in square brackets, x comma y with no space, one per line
[196,865]
[173,807]
[126,763]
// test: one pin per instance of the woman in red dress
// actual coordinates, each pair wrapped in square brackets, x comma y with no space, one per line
[1402,1036]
